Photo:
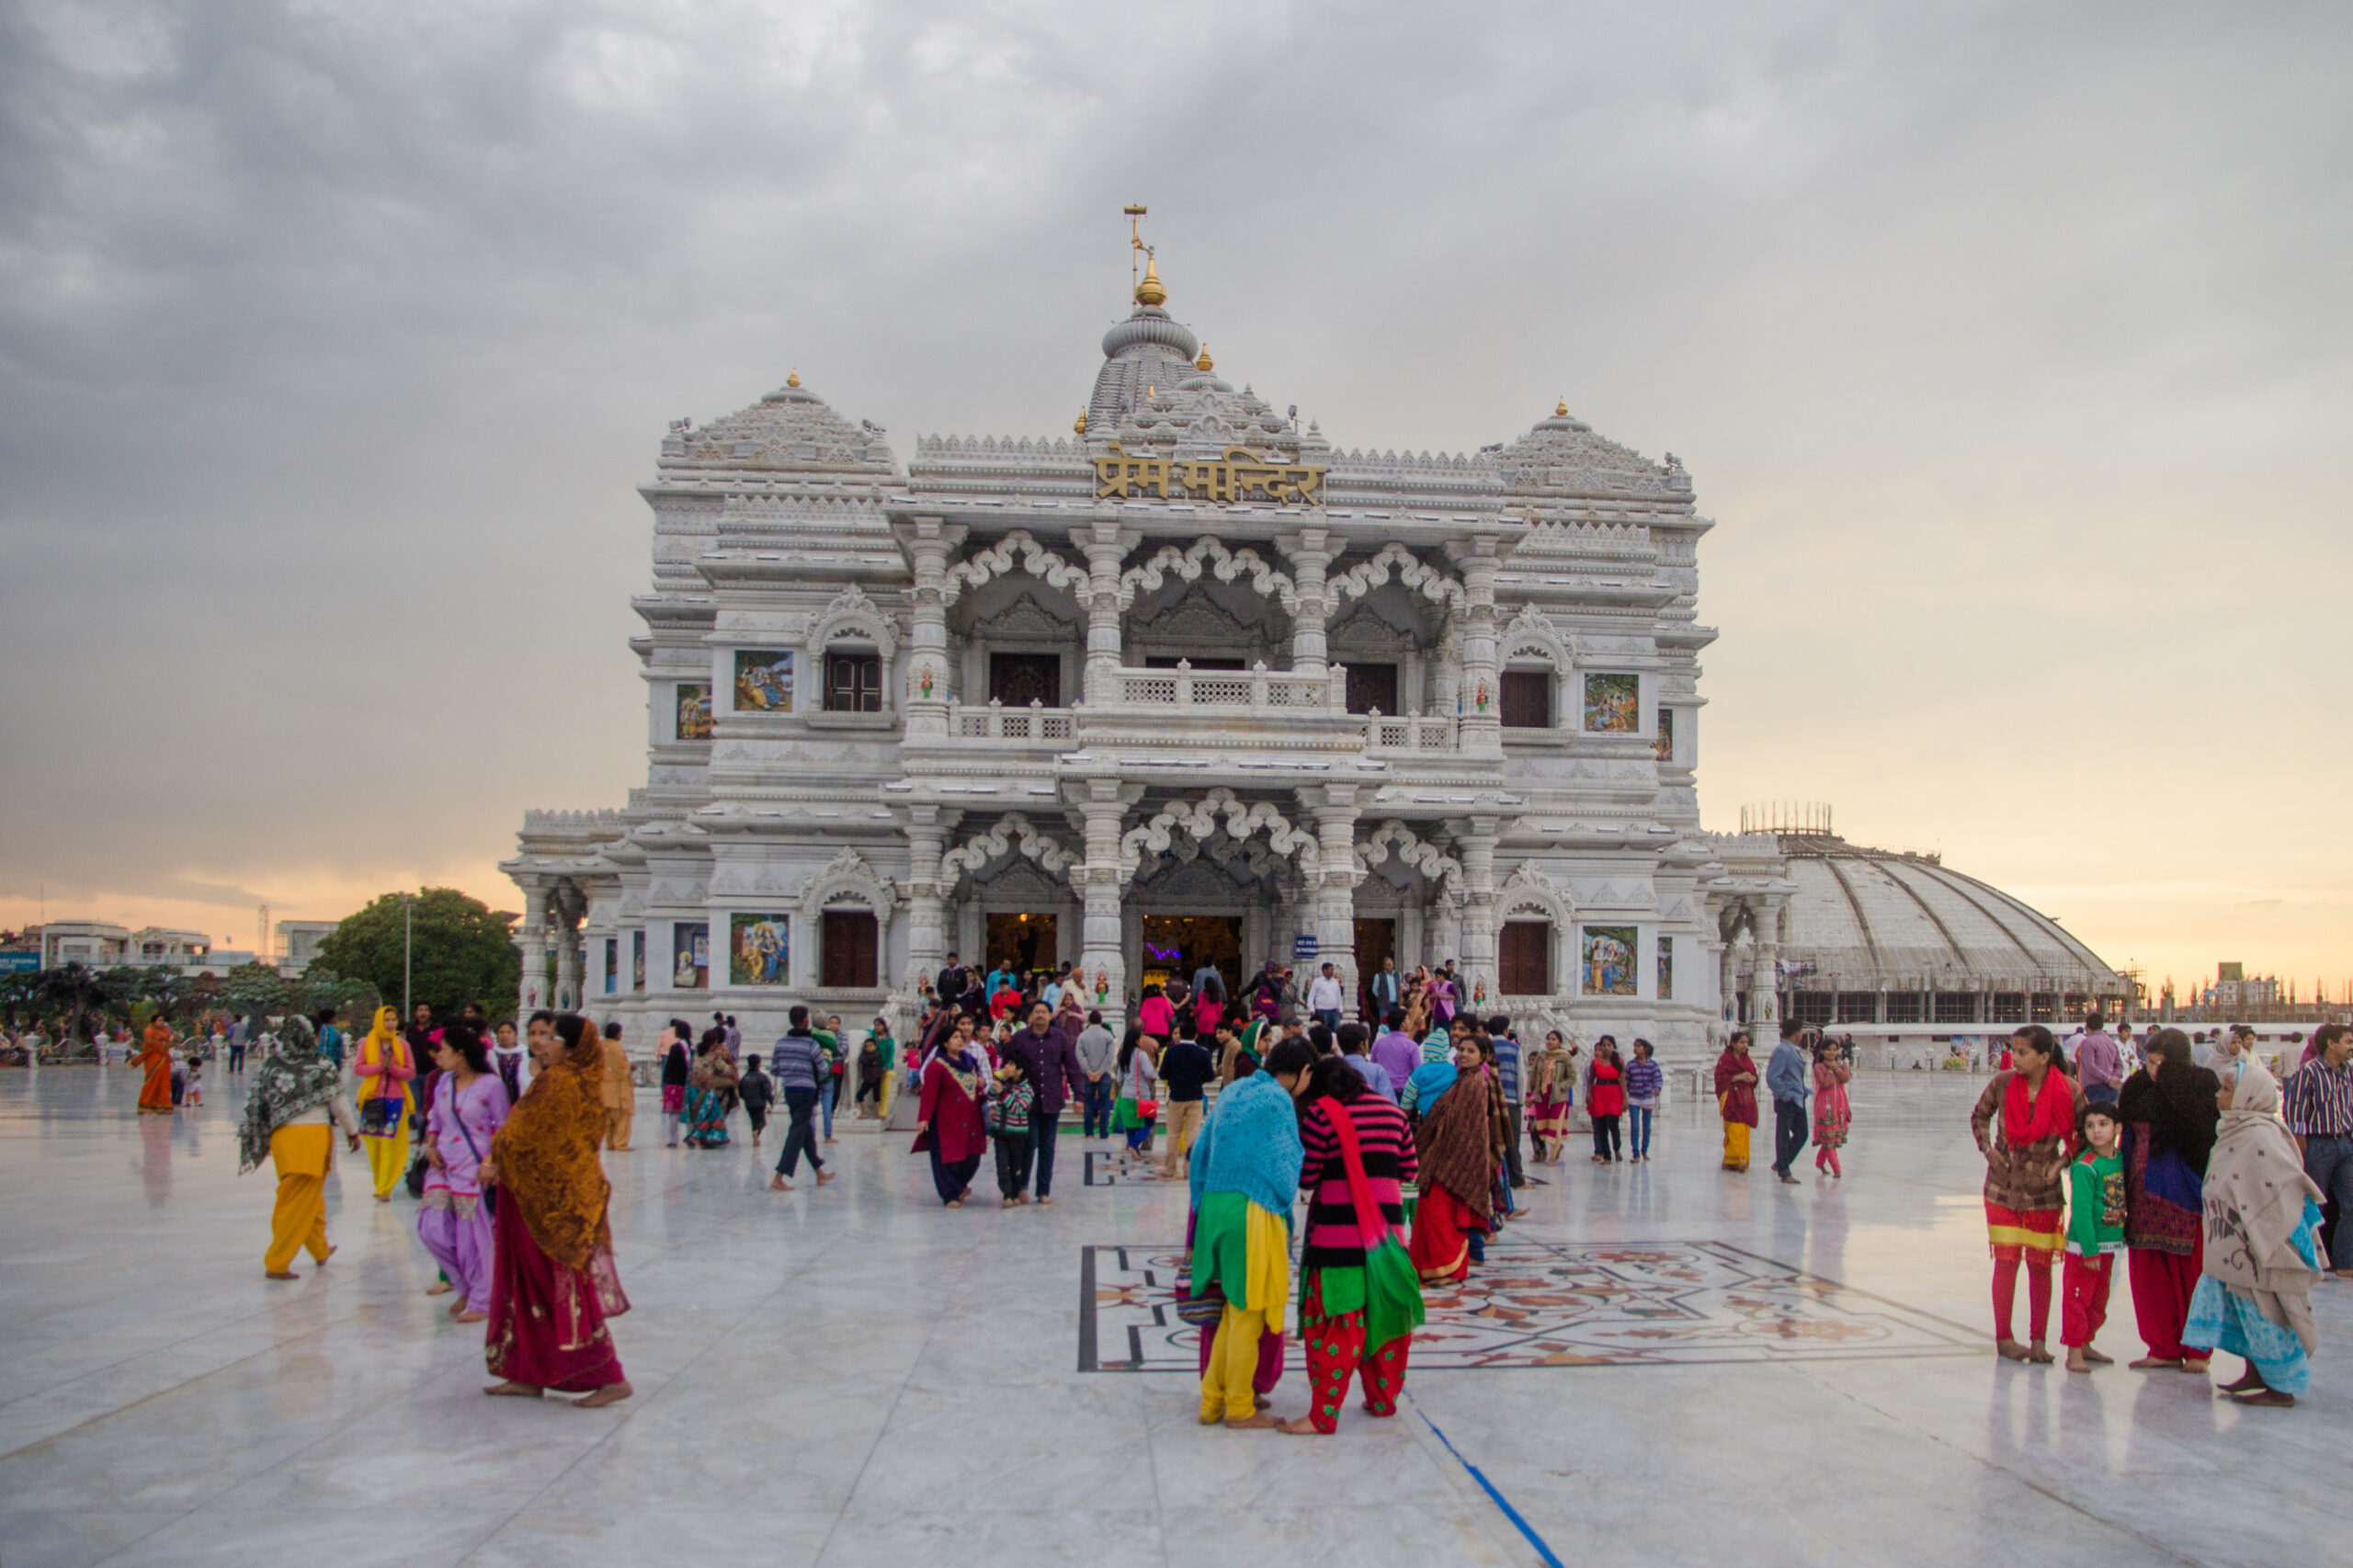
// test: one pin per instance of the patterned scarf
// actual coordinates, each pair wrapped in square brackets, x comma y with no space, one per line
[1455,1141]
[546,1155]
[285,1085]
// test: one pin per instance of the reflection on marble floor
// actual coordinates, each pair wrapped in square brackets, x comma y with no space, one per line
[857,1377]
[1553,1304]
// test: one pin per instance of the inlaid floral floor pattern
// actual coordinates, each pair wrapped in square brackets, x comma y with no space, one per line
[1544,1304]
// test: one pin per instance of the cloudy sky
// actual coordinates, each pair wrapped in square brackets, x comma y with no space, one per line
[2007,344]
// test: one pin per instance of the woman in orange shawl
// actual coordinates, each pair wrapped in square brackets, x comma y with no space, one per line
[384,1066]
[552,1283]
[155,1056]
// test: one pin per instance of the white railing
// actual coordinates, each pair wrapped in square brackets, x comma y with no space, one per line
[1408,732]
[1036,722]
[1257,686]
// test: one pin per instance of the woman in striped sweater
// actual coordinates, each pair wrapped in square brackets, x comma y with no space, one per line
[1331,1260]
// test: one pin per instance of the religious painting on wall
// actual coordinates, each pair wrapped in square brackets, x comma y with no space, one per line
[757,949]
[1667,969]
[691,957]
[694,712]
[1665,747]
[612,965]
[637,960]
[763,680]
[1613,704]
[1609,960]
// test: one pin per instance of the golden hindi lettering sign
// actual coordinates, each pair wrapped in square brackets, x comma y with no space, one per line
[1231,478]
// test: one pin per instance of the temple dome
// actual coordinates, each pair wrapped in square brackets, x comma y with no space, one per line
[791,428]
[1876,919]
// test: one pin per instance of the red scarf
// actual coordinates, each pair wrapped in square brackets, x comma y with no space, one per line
[2030,1119]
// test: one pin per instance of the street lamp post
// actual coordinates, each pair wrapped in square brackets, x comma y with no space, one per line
[409,948]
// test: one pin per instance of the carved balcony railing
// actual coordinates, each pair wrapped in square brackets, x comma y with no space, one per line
[1410,732]
[1257,688]
[1036,723]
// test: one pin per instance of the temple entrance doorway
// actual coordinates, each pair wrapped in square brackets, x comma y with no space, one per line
[1025,943]
[1376,940]
[1177,945]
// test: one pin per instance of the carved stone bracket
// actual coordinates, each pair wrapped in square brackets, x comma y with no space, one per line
[1011,833]
[1412,850]
[1187,564]
[1203,817]
[1017,548]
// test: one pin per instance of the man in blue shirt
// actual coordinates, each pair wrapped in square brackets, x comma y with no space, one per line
[1787,1078]
[1376,1076]
[1508,1075]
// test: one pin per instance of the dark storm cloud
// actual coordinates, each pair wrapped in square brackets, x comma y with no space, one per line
[335,338]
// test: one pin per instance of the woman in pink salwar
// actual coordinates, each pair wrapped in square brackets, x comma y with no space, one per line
[468,1107]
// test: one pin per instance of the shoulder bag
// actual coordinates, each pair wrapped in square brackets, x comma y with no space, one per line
[1393,1287]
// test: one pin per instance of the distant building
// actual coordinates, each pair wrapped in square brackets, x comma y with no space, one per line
[101,944]
[298,943]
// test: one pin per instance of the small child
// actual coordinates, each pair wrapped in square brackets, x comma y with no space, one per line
[2095,1233]
[757,1091]
[194,1079]
[1010,1103]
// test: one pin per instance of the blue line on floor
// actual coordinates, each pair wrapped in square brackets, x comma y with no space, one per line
[1538,1541]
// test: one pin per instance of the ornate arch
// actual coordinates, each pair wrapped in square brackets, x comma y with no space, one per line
[1011,833]
[1410,570]
[1528,888]
[1532,635]
[1200,819]
[853,613]
[1415,851]
[999,559]
[1187,565]
[848,874]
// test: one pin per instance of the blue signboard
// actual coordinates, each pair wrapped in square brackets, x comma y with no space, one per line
[19,962]
[1302,945]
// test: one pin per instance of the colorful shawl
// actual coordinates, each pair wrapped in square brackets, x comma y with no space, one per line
[1250,1145]
[298,1078]
[1455,1144]
[2257,1198]
[383,1043]
[547,1161]
[2028,1117]
[1737,1102]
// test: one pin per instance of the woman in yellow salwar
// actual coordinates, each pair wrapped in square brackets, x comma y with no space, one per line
[1245,1179]
[384,1067]
[294,1107]
[1736,1099]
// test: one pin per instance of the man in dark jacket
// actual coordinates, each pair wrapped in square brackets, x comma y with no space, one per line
[1050,1058]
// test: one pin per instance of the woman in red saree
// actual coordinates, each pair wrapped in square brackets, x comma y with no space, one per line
[1454,1144]
[552,1283]
[155,1056]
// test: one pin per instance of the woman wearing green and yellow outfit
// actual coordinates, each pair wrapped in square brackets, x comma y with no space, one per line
[1244,1180]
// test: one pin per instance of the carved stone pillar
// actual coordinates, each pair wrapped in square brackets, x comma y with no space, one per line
[1102,881]
[1334,888]
[567,908]
[1477,845]
[531,939]
[1728,983]
[1105,546]
[1482,701]
[927,830]
[1765,979]
[1309,552]
[1444,937]
[1446,671]
[931,679]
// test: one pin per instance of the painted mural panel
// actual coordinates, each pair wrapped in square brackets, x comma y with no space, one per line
[694,712]
[691,957]
[758,949]
[763,680]
[1665,747]
[1613,704]
[1609,960]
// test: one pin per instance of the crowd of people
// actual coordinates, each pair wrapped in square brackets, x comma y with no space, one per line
[2220,1184]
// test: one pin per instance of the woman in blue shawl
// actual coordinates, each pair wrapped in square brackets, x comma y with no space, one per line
[1246,1180]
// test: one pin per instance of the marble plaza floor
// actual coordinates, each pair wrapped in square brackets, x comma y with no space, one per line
[1664,1365]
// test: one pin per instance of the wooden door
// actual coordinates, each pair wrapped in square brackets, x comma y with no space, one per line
[1524,957]
[847,951]
[1019,679]
[1371,687]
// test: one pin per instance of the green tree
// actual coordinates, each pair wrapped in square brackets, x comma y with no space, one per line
[256,988]
[463,951]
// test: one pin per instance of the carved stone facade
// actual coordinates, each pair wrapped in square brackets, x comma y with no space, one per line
[1195,664]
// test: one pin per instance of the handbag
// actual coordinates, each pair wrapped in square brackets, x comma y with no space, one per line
[488,1194]
[1147,1110]
[1392,1286]
[1203,1310]
[380,1118]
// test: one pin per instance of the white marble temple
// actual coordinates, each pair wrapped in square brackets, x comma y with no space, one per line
[858,1376]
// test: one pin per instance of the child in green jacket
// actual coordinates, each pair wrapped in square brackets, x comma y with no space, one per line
[2095,1234]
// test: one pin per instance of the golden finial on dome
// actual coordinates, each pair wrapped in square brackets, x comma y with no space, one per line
[1149,291]
[1150,393]
[793,379]
[1561,409]
[1079,423]
[1205,362]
